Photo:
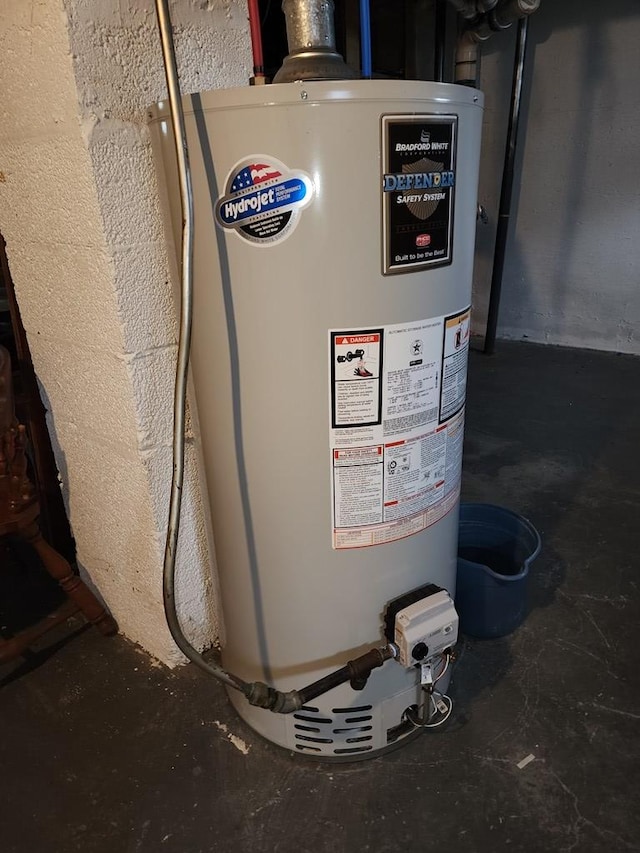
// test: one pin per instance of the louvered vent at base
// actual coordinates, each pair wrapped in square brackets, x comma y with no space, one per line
[348,731]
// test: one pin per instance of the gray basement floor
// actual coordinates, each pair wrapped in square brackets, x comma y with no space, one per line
[102,751]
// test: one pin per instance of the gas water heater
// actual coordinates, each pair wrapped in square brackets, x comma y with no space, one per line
[334,240]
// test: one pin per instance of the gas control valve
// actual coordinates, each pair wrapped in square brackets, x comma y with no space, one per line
[422,624]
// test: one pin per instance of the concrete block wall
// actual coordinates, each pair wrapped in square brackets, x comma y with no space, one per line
[572,269]
[79,211]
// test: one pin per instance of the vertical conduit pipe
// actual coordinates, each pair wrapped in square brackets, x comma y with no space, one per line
[184,346]
[366,61]
[506,191]
[256,692]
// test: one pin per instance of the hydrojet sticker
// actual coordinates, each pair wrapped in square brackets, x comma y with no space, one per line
[263,199]
[418,188]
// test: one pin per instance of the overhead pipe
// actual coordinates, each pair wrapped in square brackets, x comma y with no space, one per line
[510,11]
[465,8]
[506,191]
[472,33]
[472,8]
[503,16]
[312,43]
[492,17]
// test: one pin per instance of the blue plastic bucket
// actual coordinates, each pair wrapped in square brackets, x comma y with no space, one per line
[495,550]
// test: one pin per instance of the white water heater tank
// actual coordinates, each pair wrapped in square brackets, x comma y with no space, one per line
[334,239]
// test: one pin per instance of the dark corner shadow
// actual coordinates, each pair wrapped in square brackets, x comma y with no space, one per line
[480,666]
[58,452]
[33,660]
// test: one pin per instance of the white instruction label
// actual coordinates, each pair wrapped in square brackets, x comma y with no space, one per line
[396,430]
[455,357]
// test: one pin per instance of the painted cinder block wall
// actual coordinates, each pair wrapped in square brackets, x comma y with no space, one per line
[572,273]
[86,246]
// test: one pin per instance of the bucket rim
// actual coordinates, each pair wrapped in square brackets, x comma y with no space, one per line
[504,579]
[535,544]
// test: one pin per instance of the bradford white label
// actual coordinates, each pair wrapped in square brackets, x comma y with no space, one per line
[418,191]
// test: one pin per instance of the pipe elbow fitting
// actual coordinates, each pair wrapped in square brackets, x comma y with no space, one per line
[261,695]
[287,703]
[510,11]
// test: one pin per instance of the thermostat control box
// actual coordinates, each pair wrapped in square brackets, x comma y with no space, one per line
[425,623]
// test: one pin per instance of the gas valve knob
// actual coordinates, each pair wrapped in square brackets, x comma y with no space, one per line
[420,651]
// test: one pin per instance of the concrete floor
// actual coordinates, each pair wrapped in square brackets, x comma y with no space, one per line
[102,751]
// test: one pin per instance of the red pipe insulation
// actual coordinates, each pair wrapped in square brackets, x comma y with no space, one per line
[256,38]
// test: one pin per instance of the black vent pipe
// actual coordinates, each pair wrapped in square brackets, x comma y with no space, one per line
[506,192]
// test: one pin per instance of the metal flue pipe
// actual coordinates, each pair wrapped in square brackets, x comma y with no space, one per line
[312,43]
[309,24]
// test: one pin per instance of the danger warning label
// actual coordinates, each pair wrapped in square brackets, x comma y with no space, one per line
[397,413]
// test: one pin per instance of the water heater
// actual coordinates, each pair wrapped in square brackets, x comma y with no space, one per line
[334,239]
